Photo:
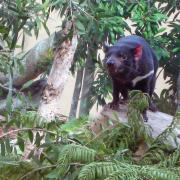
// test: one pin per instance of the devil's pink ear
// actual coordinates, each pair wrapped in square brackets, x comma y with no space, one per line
[138,52]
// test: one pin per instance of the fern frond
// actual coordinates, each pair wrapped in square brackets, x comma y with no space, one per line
[97,170]
[123,171]
[173,159]
[154,155]
[123,174]
[138,102]
[12,170]
[121,135]
[76,153]
[156,173]
[73,153]
[10,160]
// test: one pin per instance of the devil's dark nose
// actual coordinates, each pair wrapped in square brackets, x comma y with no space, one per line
[110,62]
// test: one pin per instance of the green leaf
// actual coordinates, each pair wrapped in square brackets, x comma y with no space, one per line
[9,103]
[74,124]
[46,29]
[3,29]
[8,146]
[37,139]
[20,142]
[30,134]
[161,30]
[54,174]
[80,27]
[3,150]
[27,84]
[175,50]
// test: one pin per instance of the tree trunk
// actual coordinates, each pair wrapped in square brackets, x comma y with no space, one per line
[178,93]
[76,94]
[50,104]
[88,79]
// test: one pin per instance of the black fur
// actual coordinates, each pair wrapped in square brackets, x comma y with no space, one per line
[123,68]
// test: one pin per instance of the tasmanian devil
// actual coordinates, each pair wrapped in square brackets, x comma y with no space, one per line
[132,65]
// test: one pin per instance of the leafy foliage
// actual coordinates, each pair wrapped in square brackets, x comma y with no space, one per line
[21,15]
[76,153]
[13,169]
[113,171]
[71,151]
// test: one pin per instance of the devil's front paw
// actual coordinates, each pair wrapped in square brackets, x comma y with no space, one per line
[153,107]
[113,105]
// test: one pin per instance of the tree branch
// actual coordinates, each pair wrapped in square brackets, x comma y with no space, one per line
[33,63]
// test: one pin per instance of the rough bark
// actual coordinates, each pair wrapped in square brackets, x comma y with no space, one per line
[50,103]
[88,79]
[158,121]
[76,94]
[33,63]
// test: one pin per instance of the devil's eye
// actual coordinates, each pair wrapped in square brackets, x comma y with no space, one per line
[124,57]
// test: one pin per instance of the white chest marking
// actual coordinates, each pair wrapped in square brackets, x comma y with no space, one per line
[139,78]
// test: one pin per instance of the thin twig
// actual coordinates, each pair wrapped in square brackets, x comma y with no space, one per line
[25,129]
[160,72]
[5,51]
[80,9]
[35,170]
[47,167]
[7,88]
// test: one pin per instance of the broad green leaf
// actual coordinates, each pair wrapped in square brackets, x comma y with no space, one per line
[8,146]
[3,29]
[37,139]
[27,84]
[46,29]
[54,174]
[80,27]
[9,103]
[30,135]
[3,150]
[20,142]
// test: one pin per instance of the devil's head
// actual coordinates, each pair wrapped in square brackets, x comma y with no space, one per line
[121,59]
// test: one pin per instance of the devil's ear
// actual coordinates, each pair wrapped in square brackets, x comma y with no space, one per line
[138,52]
[106,47]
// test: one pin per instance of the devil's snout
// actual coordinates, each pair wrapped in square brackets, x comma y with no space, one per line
[110,62]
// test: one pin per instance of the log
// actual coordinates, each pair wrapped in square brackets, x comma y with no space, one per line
[158,121]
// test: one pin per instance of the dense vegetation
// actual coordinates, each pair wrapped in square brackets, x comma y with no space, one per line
[72,151]
[32,148]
